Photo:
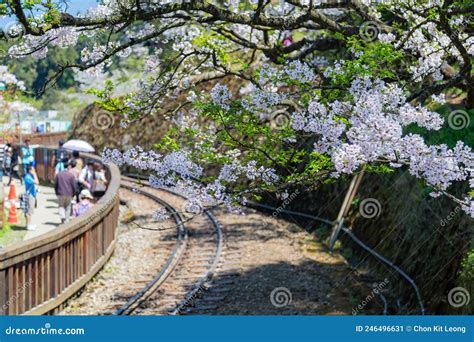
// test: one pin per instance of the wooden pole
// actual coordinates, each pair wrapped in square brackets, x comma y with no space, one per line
[346,204]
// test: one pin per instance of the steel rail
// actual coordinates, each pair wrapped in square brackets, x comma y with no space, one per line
[171,262]
[200,286]
[174,259]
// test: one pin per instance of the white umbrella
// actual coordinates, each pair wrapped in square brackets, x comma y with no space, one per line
[78,145]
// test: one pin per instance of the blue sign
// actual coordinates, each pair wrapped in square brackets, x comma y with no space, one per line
[237,328]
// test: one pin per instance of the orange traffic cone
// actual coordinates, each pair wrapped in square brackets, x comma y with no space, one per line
[12,193]
[12,215]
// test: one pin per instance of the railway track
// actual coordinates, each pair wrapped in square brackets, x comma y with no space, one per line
[185,283]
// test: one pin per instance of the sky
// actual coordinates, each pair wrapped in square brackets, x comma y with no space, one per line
[74,7]
[78,6]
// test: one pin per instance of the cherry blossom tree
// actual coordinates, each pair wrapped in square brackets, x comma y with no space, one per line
[10,88]
[325,88]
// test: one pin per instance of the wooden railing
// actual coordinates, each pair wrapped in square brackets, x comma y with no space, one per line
[44,139]
[38,276]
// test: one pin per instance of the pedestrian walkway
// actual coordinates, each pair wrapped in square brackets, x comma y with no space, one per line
[45,216]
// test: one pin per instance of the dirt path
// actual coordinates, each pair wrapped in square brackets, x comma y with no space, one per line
[281,261]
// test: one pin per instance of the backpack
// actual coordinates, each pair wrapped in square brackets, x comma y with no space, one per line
[60,154]
[98,183]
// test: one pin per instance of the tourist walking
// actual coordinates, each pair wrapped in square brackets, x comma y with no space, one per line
[14,165]
[28,199]
[60,158]
[26,156]
[65,188]
[79,163]
[99,183]
[3,150]
[86,177]
[33,172]
[7,160]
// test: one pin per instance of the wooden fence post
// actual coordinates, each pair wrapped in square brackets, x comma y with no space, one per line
[346,204]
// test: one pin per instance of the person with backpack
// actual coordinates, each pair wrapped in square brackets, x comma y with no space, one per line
[86,178]
[27,157]
[60,158]
[99,183]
